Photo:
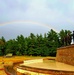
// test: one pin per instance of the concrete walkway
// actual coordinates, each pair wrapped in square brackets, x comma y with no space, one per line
[51,65]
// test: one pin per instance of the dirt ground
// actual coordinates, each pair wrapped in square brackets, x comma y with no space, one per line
[13,59]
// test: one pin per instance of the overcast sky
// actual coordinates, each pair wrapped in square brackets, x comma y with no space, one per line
[36,16]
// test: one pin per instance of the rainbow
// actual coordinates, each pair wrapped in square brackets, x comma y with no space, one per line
[29,22]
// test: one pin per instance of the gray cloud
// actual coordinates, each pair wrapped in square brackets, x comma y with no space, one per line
[57,13]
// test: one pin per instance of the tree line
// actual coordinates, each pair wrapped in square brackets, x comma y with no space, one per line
[36,45]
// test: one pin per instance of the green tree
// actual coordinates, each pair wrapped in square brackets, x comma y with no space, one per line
[2,45]
[20,40]
[65,37]
[53,42]
[9,46]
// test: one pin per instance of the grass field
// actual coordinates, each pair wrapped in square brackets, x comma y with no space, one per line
[15,59]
